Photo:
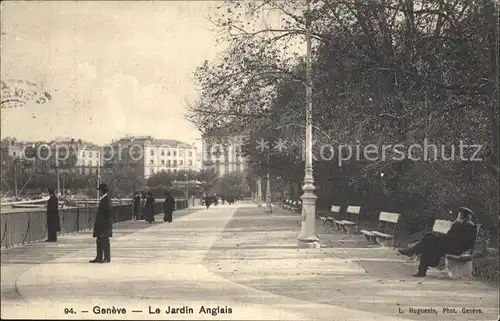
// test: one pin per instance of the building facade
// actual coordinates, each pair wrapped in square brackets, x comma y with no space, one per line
[147,156]
[65,155]
[221,153]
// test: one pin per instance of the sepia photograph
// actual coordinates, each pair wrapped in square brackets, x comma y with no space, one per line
[250,160]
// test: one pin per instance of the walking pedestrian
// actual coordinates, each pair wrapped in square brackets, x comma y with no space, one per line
[103,227]
[168,207]
[150,204]
[53,222]
[208,201]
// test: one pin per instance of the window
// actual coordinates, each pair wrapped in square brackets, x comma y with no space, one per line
[190,153]
[181,153]
[168,153]
[180,162]
[162,162]
[152,153]
[175,171]
[90,154]
[175,153]
[175,163]
[96,155]
[90,163]
[169,163]
[83,154]
[151,162]
[152,171]
[190,162]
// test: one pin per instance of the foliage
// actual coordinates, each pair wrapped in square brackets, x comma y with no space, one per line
[232,184]
[384,73]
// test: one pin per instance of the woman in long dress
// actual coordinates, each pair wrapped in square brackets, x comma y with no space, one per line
[150,204]
[168,207]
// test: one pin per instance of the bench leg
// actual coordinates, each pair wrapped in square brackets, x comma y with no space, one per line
[384,242]
[350,229]
[459,270]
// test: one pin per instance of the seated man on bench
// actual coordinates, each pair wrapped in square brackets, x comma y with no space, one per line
[460,238]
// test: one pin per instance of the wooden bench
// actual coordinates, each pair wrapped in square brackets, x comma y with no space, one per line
[351,221]
[329,219]
[385,220]
[461,266]
[297,206]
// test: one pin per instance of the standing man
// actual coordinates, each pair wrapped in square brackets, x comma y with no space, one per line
[137,204]
[103,227]
[168,207]
[53,222]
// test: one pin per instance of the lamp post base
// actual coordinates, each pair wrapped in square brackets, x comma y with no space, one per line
[308,237]
[309,243]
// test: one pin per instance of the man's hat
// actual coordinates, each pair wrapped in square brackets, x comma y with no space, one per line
[51,190]
[103,187]
[467,210]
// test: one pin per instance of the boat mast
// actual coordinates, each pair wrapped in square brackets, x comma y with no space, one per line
[58,177]
[15,180]
[98,177]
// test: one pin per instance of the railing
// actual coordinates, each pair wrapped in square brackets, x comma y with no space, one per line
[20,228]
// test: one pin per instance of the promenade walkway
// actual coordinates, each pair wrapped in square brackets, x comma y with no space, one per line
[232,257]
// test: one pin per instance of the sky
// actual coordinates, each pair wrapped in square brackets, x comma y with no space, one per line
[112,68]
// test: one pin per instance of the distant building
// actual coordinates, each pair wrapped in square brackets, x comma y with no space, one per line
[70,155]
[147,156]
[11,151]
[221,152]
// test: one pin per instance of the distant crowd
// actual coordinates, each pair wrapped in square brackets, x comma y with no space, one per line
[210,199]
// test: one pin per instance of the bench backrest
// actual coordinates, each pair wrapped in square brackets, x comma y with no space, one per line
[441,226]
[389,217]
[352,213]
[294,202]
[335,209]
[386,219]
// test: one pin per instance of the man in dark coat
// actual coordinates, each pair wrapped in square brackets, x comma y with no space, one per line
[53,222]
[168,207]
[460,238]
[149,207]
[137,205]
[103,227]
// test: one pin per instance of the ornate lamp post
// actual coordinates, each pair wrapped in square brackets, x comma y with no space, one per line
[269,207]
[258,197]
[308,237]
